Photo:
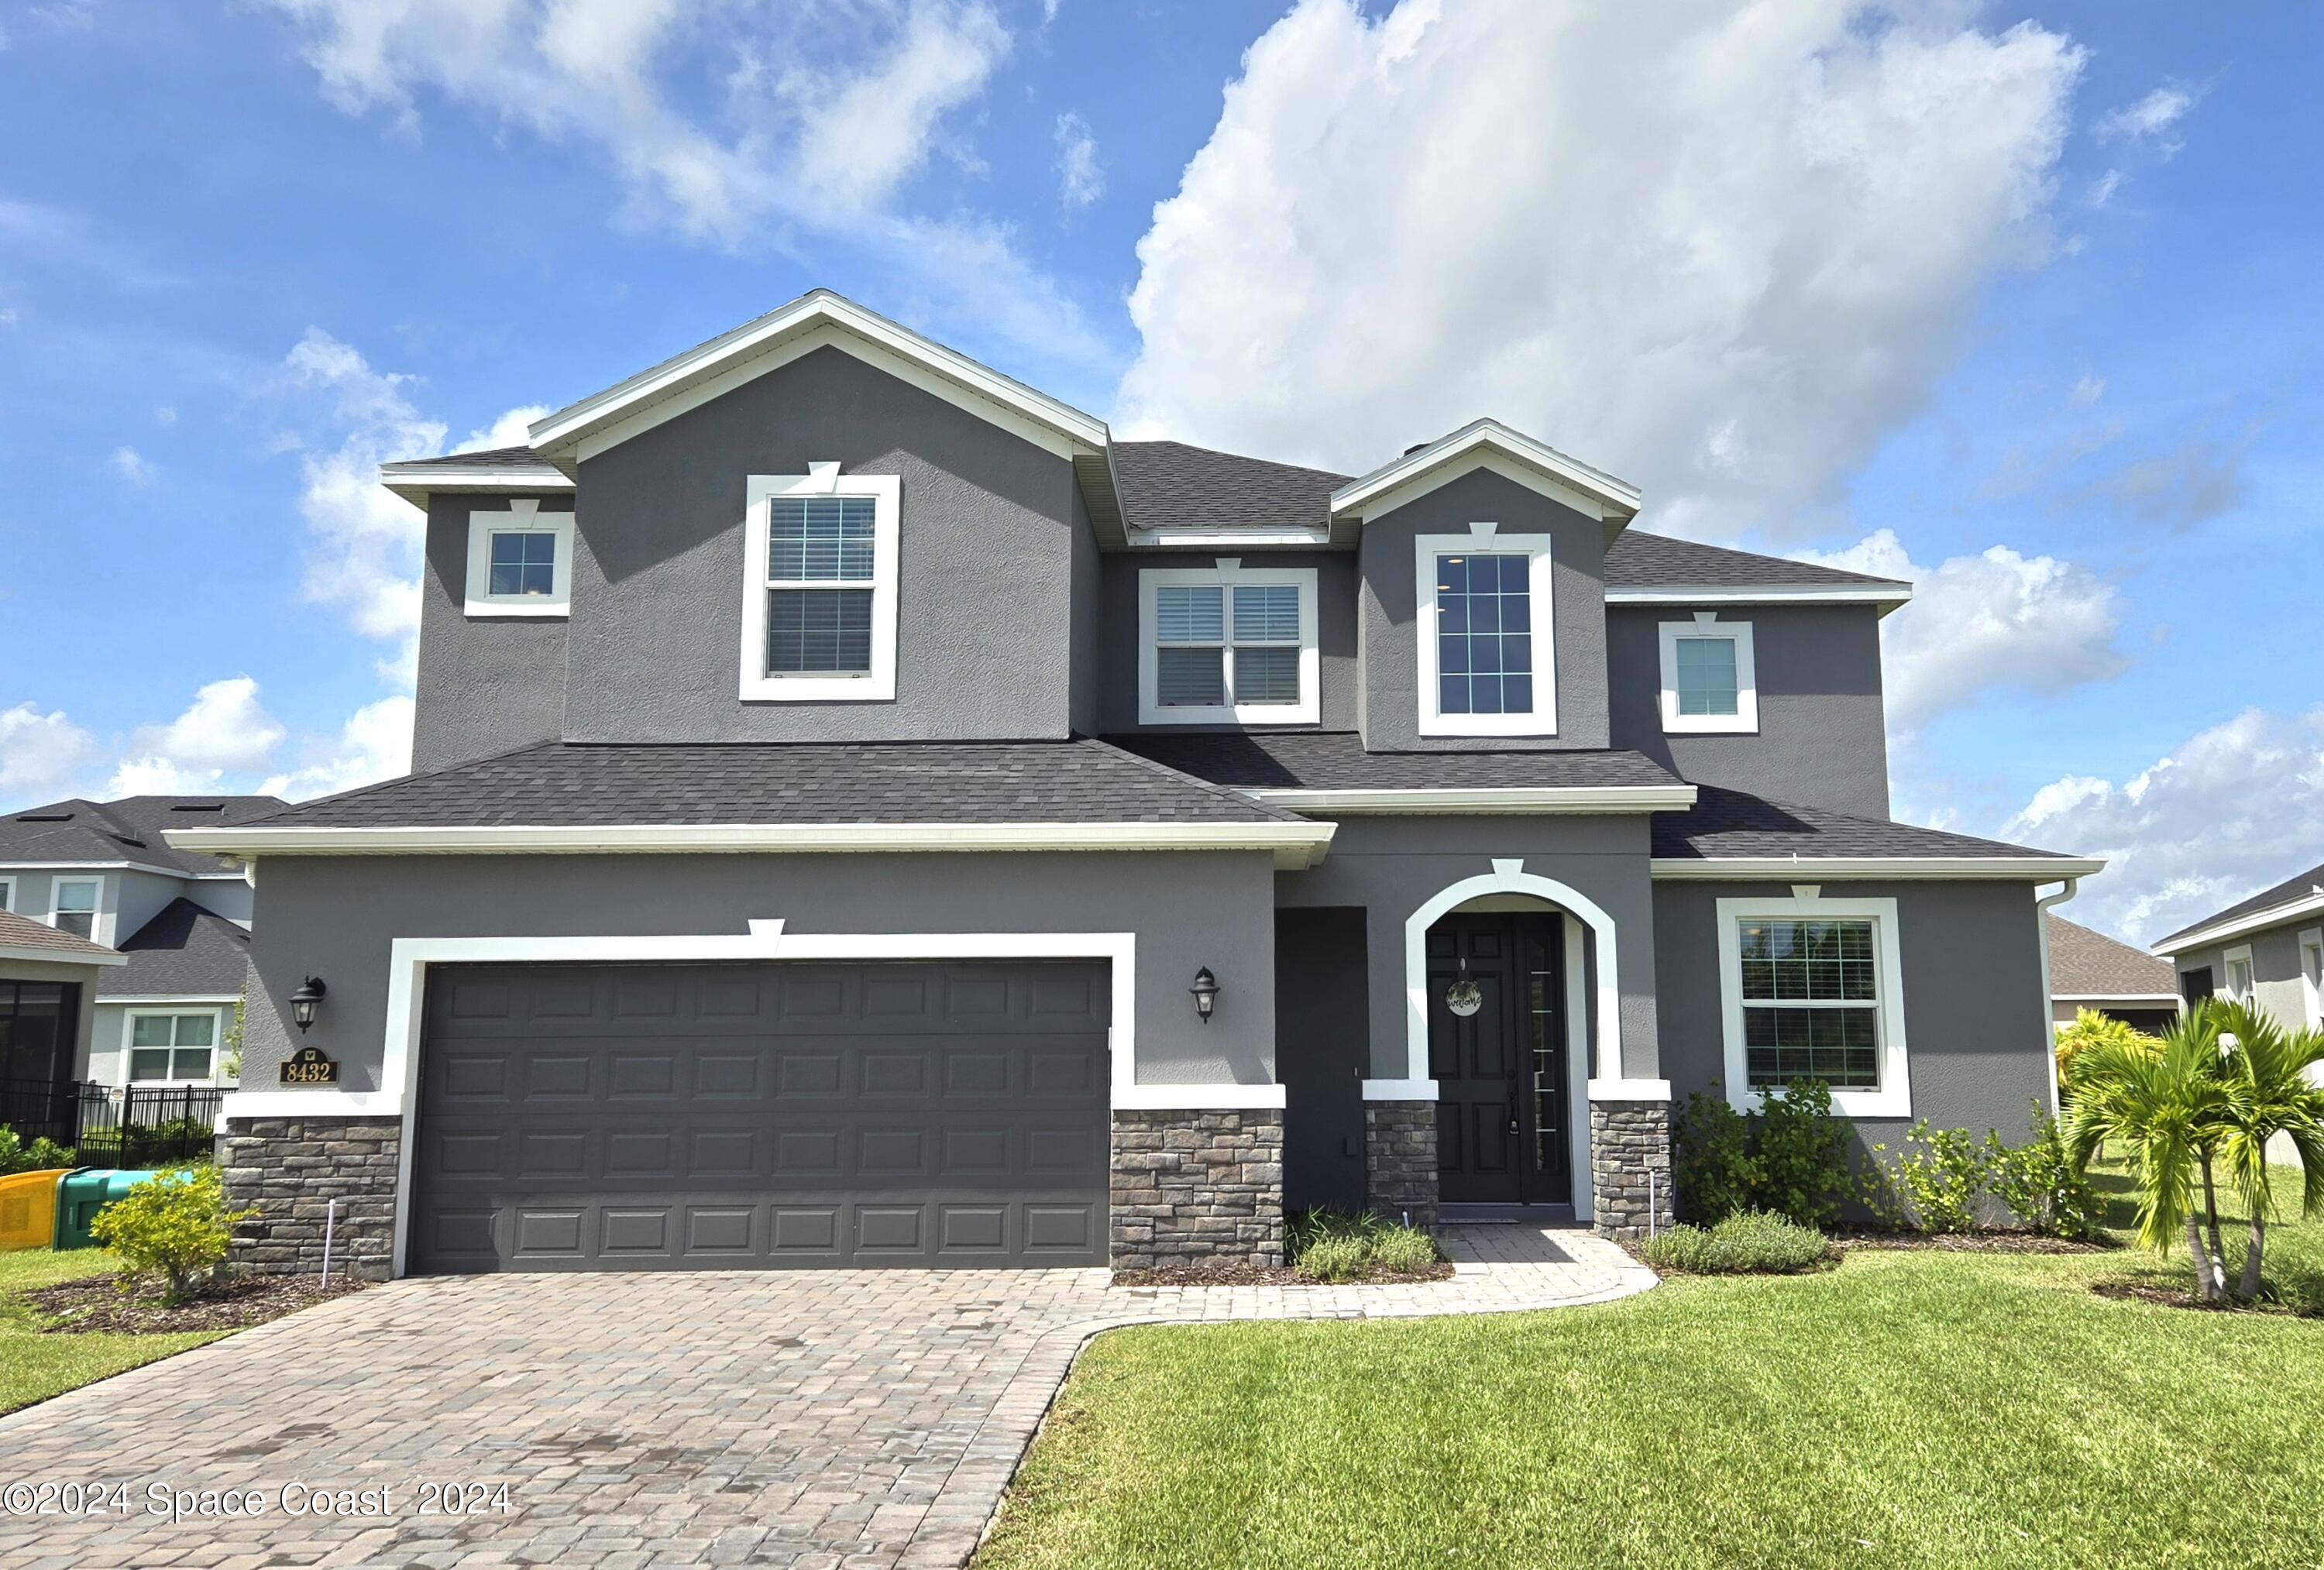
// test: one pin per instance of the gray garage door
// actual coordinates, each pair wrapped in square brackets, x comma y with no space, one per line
[761,1116]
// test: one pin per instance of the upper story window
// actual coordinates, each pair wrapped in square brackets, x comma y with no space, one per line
[819,595]
[1812,990]
[1711,679]
[519,562]
[1228,644]
[1487,659]
[73,905]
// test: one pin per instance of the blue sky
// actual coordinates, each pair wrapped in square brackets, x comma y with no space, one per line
[2023,301]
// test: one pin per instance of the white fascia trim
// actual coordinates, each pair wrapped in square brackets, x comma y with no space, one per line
[1894,1099]
[1212,540]
[62,956]
[166,1001]
[812,322]
[1485,539]
[1528,800]
[1891,595]
[2258,920]
[63,868]
[2114,997]
[522,515]
[1295,845]
[415,483]
[2038,869]
[823,478]
[1529,462]
[1745,720]
[1226,575]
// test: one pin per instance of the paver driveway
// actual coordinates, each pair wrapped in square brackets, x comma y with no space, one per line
[841,1417]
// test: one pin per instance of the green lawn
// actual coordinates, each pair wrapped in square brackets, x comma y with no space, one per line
[1906,1408]
[33,1366]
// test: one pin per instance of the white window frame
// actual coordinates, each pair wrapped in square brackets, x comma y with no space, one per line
[1227,574]
[96,911]
[521,516]
[822,479]
[129,1018]
[1894,1099]
[1707,625]
[2312,975]
[1483,540]
[7,893]
[2228,959]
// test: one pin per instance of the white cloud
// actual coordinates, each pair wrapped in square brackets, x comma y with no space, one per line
[8,317]
[2150,116]
[1997,621]
[163,415]
[131,466]
[374,744]
[225,727]
[1719,250]
[2088,389]
[153,775]
[511,429]
[862,134]
[40,753]
[2196,481]
[1081,180]
[2229,811]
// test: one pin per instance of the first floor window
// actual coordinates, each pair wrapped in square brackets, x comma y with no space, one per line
[75,906]
[173,1048]
[1484,633]
[2240,975]
[1810,1003]
[821,564]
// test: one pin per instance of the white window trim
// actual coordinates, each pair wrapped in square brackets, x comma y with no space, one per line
[99,925]
[1746,718]
[2311,967]
[129,1018]
[1894,1096]
[1483,539]
[522,515]
[822,479]
[1227,574]
[7,893]
[2227,960]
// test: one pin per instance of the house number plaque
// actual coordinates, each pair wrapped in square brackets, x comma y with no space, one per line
[309,1066]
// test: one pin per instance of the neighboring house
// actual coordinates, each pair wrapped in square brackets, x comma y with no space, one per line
[2267,950]
[2091,970]
[178,921]
[49,983]
[868,815]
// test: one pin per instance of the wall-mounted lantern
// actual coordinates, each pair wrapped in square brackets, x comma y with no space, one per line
[1207,992]
[304,1002]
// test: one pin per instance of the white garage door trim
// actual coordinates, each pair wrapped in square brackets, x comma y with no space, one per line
[408,959]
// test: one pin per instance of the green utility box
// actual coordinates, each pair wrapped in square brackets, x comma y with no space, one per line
[83,1194]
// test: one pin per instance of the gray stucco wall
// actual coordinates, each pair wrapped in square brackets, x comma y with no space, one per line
[1087,702]
[2276,970]
[335,917]
[1335,631]
[1823,739]
[1392,866]
[487,685]
[984,592]
[1976,1011]
[1389,605]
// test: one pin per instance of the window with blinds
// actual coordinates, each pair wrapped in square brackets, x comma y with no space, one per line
[1220,645]
[820,563]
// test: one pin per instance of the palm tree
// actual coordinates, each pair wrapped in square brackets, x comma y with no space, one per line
[2163,1106]
[2267,1089]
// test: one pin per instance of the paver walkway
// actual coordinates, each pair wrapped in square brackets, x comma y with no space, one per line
[825,1418]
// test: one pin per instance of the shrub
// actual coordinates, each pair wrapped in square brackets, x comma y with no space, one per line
[1750,1242]
[175,1226]
[2090,1028]
[1339,1245]
[1334,1259]
[1406,1250]
[1790,1158]
[2042,1182]
[1942,1172]
[42,1155]
[1712,1157]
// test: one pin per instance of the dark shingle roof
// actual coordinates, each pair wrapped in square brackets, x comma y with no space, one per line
[127,829]
[1336,760]
[66,947]
[185,951]
[1727,823]
[2088,964]
[1636,560]
[2290,889]
[492,458]
[584,784]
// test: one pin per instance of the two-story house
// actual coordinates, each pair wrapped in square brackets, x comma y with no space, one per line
[866,815]
[105,873]
[2266,951]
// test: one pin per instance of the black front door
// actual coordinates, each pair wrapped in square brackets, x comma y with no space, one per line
[1502,1099]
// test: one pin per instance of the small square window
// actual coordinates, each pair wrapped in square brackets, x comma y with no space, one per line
[519,562]
[1709,682]
[524,563]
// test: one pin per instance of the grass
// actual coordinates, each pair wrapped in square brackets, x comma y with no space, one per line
[33,1366]
[1908,1407]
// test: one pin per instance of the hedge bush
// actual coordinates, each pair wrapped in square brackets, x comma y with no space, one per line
[44,1155]
[1792,1158]
[1340,1246]
[175,1226]
[1747,1242]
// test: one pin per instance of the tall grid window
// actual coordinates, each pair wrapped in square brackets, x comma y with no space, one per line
[1707,683]
[173,1047]
[1216,646]
[1810,1003]
[524,562]
[819,583]
[1484,633]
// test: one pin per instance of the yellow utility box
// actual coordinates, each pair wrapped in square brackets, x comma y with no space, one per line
[28,1210]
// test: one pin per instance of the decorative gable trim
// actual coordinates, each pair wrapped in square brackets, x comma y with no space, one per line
[1487,443]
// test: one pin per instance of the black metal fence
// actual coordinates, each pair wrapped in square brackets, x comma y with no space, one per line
[139,1126]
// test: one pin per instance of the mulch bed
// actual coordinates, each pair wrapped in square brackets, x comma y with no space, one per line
[2185,1298]
[96,1304]
[1964,1242]
[1240,1275]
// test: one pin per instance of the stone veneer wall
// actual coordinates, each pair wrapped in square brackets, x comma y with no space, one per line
[1629,1141]
[1196,1188]
[291,1168]
[1400,1159]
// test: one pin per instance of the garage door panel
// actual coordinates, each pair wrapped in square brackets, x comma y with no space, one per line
[762,1116]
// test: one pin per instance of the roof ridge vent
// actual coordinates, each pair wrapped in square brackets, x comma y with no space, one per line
[1417,447]
[44,817]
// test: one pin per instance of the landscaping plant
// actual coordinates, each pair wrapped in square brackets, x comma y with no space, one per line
[175,1226]
[1750,1242]
[1341,1245]
[1711,1158]
[1941,1172]
[2041,1182]
[2266,1091]
[44,1155]
[2088,1030]
[1790,1158]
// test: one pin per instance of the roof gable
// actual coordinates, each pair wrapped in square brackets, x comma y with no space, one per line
[1488,444]
[2296,896]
